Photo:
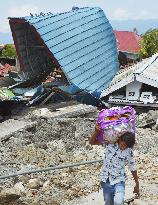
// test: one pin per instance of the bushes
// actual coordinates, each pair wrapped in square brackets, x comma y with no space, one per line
[9,51]
[149,43]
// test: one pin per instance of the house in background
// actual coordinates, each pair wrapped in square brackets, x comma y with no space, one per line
[128,44]
[136,85]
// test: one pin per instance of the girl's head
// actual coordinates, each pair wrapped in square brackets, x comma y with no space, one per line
[127,140]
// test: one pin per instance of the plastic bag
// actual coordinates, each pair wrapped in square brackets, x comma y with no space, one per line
[114,122]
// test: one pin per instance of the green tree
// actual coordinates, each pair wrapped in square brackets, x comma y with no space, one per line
[9,51]
[149,43]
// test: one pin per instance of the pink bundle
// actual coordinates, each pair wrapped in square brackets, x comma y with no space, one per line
[114,122]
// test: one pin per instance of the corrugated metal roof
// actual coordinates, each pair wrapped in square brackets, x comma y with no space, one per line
[147,69]
[83,43]
[128,41]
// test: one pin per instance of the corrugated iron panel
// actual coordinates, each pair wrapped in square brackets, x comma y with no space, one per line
[83,43]
[151,71]
[147,68]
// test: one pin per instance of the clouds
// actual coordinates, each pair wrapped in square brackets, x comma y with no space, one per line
[124,14]
[114,10]
[120,13]
[17,11]
[22,10]
[4,28]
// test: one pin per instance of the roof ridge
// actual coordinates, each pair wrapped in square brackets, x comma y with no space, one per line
[41,14]
[126,32]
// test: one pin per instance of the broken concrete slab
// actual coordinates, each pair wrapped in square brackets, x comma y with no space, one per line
[64,112]
[147,119]
[11,126]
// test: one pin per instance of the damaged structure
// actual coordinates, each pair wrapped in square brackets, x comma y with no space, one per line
[80,42]
[136,85]
[128,44]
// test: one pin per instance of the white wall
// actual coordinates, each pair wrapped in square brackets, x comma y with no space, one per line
[133,90]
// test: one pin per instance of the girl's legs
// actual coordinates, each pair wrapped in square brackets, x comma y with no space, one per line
[119,193]
[108,193]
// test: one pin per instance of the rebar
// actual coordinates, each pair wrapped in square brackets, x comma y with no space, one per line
[50,168]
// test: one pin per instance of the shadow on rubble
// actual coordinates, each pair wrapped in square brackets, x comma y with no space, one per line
[9,108]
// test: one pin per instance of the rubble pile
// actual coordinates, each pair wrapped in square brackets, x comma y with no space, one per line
[49,139]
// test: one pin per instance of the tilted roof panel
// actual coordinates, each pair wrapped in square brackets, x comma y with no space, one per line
[83,42]
[147,68]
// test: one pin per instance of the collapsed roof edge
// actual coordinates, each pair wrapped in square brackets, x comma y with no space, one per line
[81,42]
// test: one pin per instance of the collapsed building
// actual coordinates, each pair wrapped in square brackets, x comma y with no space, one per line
[70,55]
[80,43]
[136,85]
[129,45]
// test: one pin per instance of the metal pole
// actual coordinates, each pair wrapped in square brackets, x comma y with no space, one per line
[51,168]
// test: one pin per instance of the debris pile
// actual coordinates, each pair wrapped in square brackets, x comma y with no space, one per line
[61,138]
[64,66]
[15,93]
[6,69]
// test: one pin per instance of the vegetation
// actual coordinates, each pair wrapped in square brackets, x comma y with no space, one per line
[9,51]
[149,43]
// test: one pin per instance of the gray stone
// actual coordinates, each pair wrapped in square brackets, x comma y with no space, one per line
[34,183]
[19,188]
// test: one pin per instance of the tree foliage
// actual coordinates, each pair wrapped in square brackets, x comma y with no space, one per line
[9,51]
[149,43]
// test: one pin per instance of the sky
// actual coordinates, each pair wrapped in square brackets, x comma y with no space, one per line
[114,9]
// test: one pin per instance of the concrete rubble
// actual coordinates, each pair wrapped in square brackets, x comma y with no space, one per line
[43,138]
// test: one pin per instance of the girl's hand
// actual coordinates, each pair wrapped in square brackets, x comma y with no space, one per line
[97,129]
[136,190]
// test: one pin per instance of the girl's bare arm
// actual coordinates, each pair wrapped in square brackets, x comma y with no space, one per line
[93,138]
